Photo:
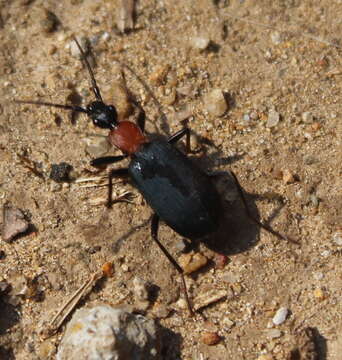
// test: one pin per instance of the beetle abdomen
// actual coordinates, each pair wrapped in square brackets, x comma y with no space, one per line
[178,191]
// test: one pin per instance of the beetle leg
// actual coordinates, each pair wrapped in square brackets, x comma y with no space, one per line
[252,218]
[106,160]
[154,234]
[178,135]
[122,172]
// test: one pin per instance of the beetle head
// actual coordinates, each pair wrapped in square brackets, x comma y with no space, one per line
[102,115]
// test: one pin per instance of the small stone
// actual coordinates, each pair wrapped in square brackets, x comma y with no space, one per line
[140,289]
[13,222]
[307,117]
[46,349]
[276,37]
[288,177]
[273,333]
[160,311]
[215,103]
[210,338]
[325,253]
[108,269]
[159,74]
[192,262]
[75,51]
[220,261]
[319,294]
[227,323]
[104,332]
[273,119]
[60,172]
[200,42]
[280,316]
[318,275]
[96,146]
[337,238]
[265,357]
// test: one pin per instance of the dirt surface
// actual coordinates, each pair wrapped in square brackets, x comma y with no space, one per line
[273,60]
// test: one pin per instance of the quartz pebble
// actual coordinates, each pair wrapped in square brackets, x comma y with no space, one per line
[215,103]
[337,238]
[200,42]
[104,332]
[280,316]
[273,118]
[307,117]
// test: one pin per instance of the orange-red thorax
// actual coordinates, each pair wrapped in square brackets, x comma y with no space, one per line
[127,136]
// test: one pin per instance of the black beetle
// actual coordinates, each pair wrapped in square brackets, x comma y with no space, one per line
[180,193]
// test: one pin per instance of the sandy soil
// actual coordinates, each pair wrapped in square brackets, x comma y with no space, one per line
[266,56]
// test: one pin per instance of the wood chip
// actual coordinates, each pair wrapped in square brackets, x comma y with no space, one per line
[208,298]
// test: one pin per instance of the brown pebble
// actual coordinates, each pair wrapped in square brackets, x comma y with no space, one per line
[14,222]
[159,74]
[192,262]
[210,338]
[108,269]
[220,261]
[288,177]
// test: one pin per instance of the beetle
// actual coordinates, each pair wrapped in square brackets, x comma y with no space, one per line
[179,193]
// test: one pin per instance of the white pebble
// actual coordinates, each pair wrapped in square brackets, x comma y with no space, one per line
[200,42]
[337,238]
[215,103]
[273,118]
[280,316]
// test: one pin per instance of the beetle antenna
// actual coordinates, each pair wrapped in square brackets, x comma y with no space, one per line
[94,86]
[60,106]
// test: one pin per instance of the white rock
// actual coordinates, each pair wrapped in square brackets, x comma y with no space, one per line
[106,333]
[280,316]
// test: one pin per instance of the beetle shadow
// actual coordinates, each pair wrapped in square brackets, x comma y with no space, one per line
[237,232]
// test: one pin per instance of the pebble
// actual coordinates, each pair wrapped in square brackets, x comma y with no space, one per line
[97,146]
[140,288]
[75,51]
[200,42]
[192,262]
[319,294]
[337,238]
[318,275]
[276,37]
[210,338]
[215,103]
[273,333]
[60,172]
[265,357]
[307,117]
[273,118]
[104,332]
[288,177]
[280,316]
[220,261]
[13,222]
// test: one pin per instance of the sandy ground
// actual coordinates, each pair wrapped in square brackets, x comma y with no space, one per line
[281,57]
